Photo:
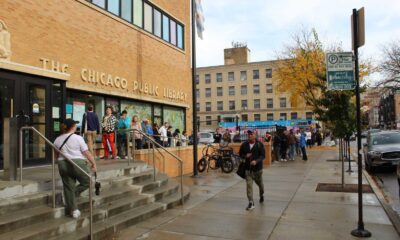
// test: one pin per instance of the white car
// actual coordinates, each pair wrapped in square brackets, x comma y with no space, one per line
[205,137]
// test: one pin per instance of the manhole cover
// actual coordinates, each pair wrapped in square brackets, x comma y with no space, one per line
[337,187]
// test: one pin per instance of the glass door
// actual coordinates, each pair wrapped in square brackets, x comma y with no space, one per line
[6,112]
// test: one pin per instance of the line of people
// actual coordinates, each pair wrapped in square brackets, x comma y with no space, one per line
[288,144]
[114,133]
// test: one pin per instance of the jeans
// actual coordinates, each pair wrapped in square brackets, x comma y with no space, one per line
[277,153]
[303,150]
[292,150]
[121,146]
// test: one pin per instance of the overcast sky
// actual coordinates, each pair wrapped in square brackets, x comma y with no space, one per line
[267,25]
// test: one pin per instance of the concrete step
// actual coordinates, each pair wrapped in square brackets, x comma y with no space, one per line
[175,199]
[157,194]
[107,229]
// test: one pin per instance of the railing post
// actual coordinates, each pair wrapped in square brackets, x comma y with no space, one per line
[91,206]
[154,163]
[182,200]
[53,162]
[21,131]
[133,146]
[128,148]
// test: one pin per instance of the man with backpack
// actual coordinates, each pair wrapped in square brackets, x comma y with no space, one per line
[254,154]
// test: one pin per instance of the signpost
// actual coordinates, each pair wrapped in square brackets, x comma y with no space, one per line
[340,71]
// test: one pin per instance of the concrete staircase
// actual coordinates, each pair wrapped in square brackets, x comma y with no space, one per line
[128,195]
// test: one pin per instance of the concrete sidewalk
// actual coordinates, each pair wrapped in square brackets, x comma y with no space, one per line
[292,209]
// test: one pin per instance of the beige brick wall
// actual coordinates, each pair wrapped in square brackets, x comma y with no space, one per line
[81,35]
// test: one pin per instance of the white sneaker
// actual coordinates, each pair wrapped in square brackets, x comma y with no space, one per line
[76,214]
[284,160]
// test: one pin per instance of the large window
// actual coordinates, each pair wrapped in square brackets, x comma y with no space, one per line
[198,107]
[243,90]
[282,102]
[256,74]
[269,88]
[244,104]
[283,116]
[208,120]
[270,117]
[256,103]
[257,117]
[219,91]
[219,77]
[244,118]
[270,103]
[293,115]
[208,106]
[243,75]
[146,16]
[142,110]
[231,105]
[309,115]
[197,79]
[197,93]
[231,90]
[175,117]
[256,89]
[231,76]
[208,92]
[220,105]
[268,73]
[207,77]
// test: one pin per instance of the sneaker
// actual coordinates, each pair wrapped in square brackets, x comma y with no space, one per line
[284,160]
[262,199]
[76,214]
[250,206]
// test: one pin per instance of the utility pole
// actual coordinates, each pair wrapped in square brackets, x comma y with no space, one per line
[194,97]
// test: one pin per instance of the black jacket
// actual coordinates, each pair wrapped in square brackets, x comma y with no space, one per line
[258,154]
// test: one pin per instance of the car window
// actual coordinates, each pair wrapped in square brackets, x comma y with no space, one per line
[204,135]
[382,139]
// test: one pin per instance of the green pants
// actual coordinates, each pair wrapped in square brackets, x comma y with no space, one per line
[69,175]
[257,177]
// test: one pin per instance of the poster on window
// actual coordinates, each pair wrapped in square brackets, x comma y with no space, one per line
[78,111]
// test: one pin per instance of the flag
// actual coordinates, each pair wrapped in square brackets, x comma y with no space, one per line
[199,18]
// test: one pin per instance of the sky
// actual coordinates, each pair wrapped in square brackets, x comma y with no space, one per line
[268,25]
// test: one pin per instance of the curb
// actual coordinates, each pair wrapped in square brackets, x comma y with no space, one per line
[393,216]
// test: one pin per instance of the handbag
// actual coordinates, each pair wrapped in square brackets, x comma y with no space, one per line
[241,171]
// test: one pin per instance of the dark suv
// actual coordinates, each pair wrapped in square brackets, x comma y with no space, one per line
[382,149]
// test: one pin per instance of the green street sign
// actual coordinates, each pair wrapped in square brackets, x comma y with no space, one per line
[340,71]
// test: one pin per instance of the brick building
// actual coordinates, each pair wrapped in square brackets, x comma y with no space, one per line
[56,57]
[389,109]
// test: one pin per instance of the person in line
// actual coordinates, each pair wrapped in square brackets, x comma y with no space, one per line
[169,135]
[292,145]
[284,146]
[123,125]
[303,145]
[276,144]
[184,138]
[267,137]
[135,124]
[318,138]
[156,135]
[148,129]
[308,139]
[298,149]
[217,136]
[254,154]
[74,147]
[177,137]
[108,135]
[226,138]
[163,134]
[90,128]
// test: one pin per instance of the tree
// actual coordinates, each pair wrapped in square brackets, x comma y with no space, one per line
[390,65]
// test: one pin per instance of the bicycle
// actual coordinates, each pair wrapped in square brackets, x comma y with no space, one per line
[223,157]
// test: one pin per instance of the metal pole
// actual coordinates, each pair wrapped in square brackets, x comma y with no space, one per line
[360,231]
[349,154]
[53,162]
[128,148]
[194,97]
[342,158]
[20,154]
[133,146]
[91,207]
[182,200]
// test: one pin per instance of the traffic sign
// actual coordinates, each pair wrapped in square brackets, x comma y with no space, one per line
[340,71]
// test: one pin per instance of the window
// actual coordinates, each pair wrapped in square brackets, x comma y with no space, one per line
[208,92]
[256,89]
[231,76]
[270,103]
[220,105]
[165,28]
[293,115]
[157,23]
[283,116]
[197,79]
[219,91]
[231,105]
[282,102]
[244,104]
[268,73]
[197,93]
[269,88]
[232,91]
[208,106]
[208,120]
[180,36]
[270,117]
[148,18]
[256,74]
[173,32]
[126,10]
[100,3]
[113,7]
[243,75]
[256,103]
[208,78]
[138,12]
[219,77]
[257,117]
[198,107]
[244,118]
[243,89]
[309,115]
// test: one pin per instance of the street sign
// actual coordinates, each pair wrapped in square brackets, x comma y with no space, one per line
[340,71]
[360,28]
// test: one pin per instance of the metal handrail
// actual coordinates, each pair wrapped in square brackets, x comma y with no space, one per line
[53,170]
[161,147]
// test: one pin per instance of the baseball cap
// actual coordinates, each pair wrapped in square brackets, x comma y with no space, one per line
[250,132]
[70,122]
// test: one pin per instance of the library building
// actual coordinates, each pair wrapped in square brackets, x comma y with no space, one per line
[57,57]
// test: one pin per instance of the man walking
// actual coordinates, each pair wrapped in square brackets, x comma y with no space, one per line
[108,135]
[254,154]
[90,128]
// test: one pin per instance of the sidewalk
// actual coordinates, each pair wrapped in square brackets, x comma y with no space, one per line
[292,209]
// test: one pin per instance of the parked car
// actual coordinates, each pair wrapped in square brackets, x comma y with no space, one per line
[205,137]
[382,149]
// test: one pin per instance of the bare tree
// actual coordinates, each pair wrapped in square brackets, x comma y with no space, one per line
[390,66]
